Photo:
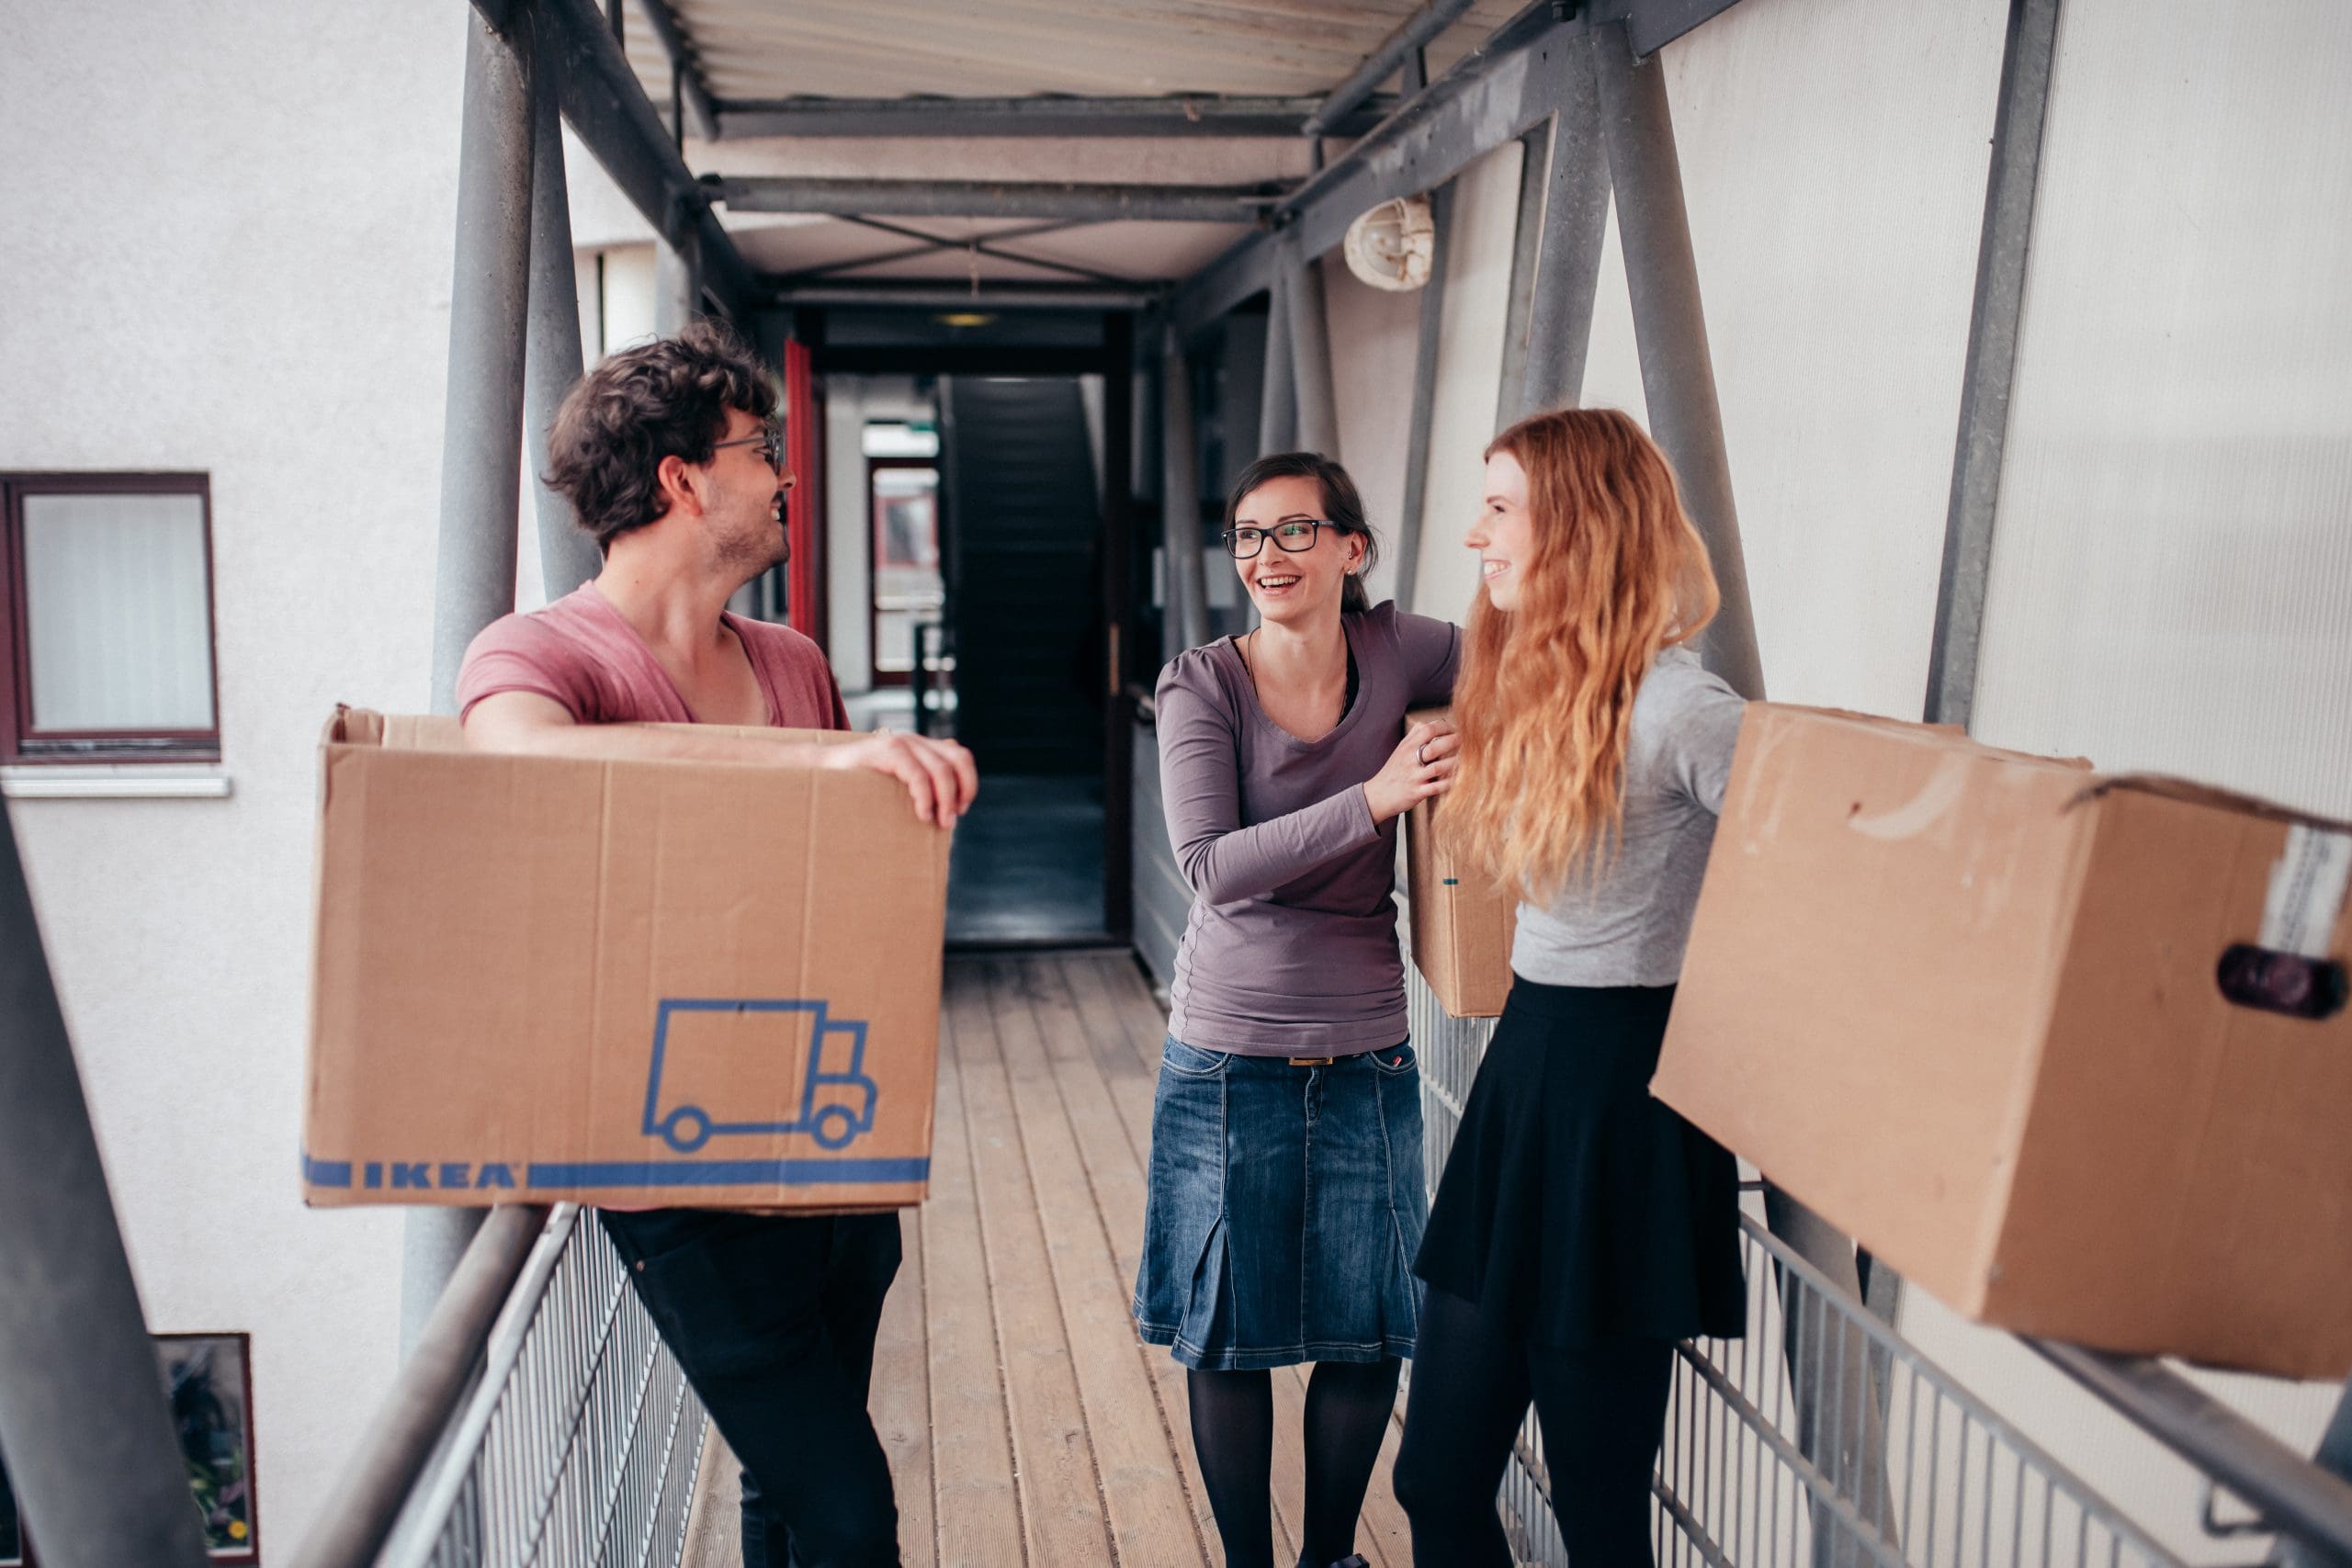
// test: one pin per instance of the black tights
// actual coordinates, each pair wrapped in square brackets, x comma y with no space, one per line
[1602,1412]
[1347,1405]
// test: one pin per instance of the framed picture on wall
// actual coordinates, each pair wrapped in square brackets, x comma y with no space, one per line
[209,1388]
[209,1379]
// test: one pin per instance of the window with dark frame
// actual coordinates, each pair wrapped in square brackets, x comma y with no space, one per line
[105,620]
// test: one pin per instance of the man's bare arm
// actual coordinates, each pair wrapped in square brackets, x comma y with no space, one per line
[939,775]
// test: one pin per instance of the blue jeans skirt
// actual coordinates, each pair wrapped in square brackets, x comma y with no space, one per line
[1284,1208]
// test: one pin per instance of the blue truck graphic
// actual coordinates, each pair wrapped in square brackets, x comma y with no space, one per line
[836,1097]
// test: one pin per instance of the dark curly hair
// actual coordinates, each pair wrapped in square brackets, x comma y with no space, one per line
[1342,508]
[668,398]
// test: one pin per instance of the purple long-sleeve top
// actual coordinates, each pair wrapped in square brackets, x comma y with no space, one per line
[1291,950]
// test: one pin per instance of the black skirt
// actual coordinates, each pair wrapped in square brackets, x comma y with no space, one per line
[1575,1209]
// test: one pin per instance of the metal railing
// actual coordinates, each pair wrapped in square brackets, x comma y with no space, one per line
[573,1443]
[1824,1439]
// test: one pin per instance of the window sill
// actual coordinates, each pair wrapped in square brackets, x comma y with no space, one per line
[123,781]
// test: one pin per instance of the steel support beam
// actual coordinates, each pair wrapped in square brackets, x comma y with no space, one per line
[992,245]
[552,357]
[974,199]
[2334,1456]
[1413,516]
[677,284]
[702,115]
[2288,1491]
[955,359]
[1310,354]
[1840,1408]
[1496,92]
[1568,273]
[946,296]
[83,1419]
[1117,588]
[1499,91]
[617,123]
[1072,116]
[1993,326]
[1651,24]
[1432,18]
[481,455]
[1670,330]
[1278,378]
[481,438]
[1526,252]
[1184,614]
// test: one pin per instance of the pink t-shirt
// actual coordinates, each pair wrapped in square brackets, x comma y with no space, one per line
[580,652]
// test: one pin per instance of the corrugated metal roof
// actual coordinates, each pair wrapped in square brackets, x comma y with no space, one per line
[763,48]
[755,49]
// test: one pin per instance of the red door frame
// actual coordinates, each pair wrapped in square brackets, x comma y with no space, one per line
[803,428]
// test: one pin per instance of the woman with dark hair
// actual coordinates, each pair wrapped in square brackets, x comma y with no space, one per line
[1286,1195]
[1581,1227]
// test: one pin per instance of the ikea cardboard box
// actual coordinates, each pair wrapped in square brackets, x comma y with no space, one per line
[2068,1050]
[634,983]
[1461,922]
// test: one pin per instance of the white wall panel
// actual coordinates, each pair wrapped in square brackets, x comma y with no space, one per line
[1834,155]
[2171,555]
[1374,336]
[1469,370]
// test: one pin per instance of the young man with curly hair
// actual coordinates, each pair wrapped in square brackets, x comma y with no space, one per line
[668,457]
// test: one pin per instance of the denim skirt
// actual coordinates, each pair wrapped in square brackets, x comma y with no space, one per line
[1284,1210]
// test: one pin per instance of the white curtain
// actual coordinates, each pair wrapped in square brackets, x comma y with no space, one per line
[115,606]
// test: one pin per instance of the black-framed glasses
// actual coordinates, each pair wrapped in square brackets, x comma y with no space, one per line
[769,441]
[1295,536]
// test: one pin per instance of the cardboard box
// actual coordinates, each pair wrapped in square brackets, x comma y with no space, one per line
[638,983]
[1461,922]
[1970,1005]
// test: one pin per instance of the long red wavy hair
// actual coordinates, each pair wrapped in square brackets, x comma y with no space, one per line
[1544,699]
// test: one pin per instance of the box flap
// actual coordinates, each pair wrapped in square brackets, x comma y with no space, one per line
[2195,794]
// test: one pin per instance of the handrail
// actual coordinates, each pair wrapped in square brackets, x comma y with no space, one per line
[2290,1492]
[417,1530]
[376,1485]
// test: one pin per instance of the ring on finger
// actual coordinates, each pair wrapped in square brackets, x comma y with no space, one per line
[1420,754]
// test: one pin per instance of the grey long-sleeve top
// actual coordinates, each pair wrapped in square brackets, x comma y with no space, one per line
[1629,924]
[1291,948]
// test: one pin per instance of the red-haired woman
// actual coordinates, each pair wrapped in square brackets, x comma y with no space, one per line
[1581,1227]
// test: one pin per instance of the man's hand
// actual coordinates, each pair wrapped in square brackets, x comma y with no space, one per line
[939,775]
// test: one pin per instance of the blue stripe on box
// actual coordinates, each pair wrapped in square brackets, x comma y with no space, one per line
[728,1173]
[325,1172]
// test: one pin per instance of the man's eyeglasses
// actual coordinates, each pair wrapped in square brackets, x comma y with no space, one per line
[770,442]
[1294,539]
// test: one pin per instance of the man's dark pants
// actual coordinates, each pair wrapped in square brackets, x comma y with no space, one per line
[772,1318]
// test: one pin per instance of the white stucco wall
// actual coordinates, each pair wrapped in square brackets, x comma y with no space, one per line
[230,252]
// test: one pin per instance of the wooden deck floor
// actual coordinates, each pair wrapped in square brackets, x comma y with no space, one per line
[1025,1422]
